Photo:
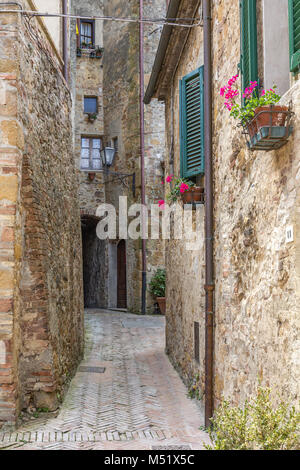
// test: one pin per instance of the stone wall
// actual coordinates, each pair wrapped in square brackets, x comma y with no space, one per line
[121,105]
[185,269]
[41,283]
[257,272]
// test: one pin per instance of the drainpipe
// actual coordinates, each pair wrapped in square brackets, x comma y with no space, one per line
[142,142]
[65,39]
[209,230]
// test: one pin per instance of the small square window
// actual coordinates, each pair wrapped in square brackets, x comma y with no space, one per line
[90,105]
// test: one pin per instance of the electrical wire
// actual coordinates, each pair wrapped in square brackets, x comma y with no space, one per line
[156,21]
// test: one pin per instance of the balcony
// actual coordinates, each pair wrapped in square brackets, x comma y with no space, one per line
[90,50]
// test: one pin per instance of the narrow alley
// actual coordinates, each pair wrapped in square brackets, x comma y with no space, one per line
[125,394]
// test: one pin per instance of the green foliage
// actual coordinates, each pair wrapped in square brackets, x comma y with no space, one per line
[175,192]
[194,390]
[157,285]
[256,426]
[247,112]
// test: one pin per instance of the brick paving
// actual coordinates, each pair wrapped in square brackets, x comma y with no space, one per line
[139,402]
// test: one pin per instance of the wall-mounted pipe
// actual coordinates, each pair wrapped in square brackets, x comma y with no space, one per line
[209,230]
[65,40]
[142,143]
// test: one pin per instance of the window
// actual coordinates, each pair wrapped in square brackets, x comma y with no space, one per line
[248,62]
[90,105]
[115,143]
[294,22]
[192,124]
[90,153]
[87,33]
[276,69]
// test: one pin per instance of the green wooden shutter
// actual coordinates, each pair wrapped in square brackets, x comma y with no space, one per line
[294,20]
[248,63]
[192,124]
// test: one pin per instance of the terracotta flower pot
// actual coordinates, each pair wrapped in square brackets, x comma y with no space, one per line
[195,194]
[162,304]
[92,176]
[264,118]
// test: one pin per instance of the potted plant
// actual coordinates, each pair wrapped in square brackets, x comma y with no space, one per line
[257,110]
[99,51]
[92,176]
[92,117]
[157,288]
[182,188]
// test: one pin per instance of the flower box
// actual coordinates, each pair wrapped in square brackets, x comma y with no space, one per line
[267,116]
[193,195]
[270,138]
[270,128]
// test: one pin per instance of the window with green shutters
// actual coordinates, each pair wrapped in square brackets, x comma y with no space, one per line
[248,62]
[294,19]
[192,124]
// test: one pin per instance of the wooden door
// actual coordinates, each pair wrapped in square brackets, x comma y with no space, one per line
[122,278]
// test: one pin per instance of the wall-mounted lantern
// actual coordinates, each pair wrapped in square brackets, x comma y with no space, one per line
[107,156]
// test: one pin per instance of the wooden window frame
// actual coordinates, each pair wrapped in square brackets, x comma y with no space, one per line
[91,148]
[252,73]
[200,168]
[294,54]
[92,23]
[97,104]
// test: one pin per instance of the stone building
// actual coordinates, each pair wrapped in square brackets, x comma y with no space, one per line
[86,76]
[256,204]
[41,308]
[108,81]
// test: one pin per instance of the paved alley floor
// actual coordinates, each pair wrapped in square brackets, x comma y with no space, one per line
[125,396]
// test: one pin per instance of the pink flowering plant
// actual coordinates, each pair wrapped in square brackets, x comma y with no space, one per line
[178,186]
[252,99]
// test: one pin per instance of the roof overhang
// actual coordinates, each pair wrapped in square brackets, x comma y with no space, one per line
[169,51]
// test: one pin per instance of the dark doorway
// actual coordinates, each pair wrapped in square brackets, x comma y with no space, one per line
[94,274]
[122,277]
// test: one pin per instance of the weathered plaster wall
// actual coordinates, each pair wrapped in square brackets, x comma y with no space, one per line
[121,105]
[42,325]
[257,272]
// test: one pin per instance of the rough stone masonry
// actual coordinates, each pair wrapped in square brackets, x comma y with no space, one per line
[41,309]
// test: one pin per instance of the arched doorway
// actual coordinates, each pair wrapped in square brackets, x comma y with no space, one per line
[122,275]
[94,264]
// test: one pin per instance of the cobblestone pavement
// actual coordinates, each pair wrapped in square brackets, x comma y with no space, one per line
[139,402]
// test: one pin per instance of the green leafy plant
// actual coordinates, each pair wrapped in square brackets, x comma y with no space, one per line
[178,187]
[194,389]
[157,284]
[252,99]
[258,425]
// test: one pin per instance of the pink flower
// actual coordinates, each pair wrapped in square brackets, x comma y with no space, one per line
[184,187]
[169,179]
[223,91]
[161,203]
